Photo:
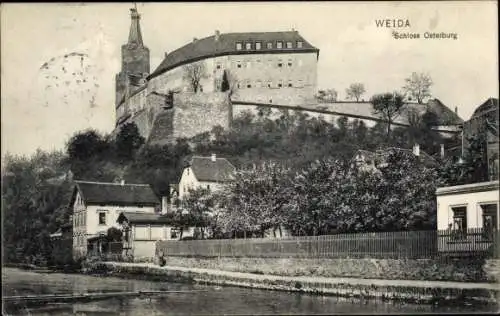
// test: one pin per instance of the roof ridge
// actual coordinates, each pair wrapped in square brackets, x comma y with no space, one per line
[112,183]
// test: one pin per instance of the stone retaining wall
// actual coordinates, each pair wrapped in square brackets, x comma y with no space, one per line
[407,294]
[461,270]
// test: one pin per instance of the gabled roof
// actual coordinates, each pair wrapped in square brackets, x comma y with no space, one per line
[205,169]
[143,218]
[97,193]
[489,105]
[225,44]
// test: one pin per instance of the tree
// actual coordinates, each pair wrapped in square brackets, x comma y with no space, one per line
[256,199]
[388,106]
[225,82]
[417,86]
[328,95]
[85,145]
[355,91]
[196,209]
[128,141]
[193,73]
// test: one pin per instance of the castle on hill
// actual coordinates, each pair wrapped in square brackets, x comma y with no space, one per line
[206,82]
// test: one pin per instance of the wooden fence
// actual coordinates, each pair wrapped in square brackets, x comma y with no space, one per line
[384,245]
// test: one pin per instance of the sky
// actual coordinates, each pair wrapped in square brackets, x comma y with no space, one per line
[58,61]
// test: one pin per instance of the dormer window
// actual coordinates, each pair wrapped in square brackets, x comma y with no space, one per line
[289,45]
[248,46]
[299,44]
[269,45]
[279,45]
[239,46]
[258,45]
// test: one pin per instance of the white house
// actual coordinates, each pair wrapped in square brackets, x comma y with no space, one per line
[471,206]
[97,205]
[206,172]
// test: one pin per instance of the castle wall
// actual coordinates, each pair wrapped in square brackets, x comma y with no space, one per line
[199,113]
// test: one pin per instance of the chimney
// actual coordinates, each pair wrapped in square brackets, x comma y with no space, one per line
[456,110]
[122,182]
[166,54]
[194,39]
[214,157]
[442,151]
[217,35]
[416,150]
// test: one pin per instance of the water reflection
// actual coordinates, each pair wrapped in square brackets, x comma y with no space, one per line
[215,301]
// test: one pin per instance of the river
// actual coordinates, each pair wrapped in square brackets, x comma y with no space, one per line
[214,301]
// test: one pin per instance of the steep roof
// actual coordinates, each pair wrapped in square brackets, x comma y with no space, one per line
[489,105]
[225,44]
[115,193]
[143,218]
[220,170]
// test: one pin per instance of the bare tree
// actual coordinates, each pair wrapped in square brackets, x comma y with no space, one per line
[418,86]
[355,91]
[388,106]
[193,73]
[328,95]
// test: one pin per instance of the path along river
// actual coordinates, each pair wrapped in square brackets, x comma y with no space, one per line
[215,301]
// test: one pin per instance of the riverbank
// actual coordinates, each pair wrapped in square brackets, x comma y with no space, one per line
[421,292]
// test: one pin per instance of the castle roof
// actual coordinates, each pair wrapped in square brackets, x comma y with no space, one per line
[98,193]
[225,44]
[212,170]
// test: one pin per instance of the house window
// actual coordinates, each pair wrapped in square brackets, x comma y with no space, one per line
[279,45]
[280,64]
[218,66]
[289,45]
[290,85]
[258,45]
[102,218]
[248,46]
[249,85]
[269,45]
[238,46]
[460,221]
[299,44]
[490,220]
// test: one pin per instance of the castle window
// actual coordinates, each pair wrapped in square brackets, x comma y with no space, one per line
[300,63]
[269,84]
[249,85]
[258,84]
[289,45]
[269,45]
[290,63]
[280,84]
[248,46]
[290,84]
[238,46]
[299,44]
[238,85]
[258,45]
[279,45]
[218,66]
[238,65]
[280,64]
[300,83]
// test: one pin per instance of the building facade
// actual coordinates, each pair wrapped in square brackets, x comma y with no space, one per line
[96,207]
[203,76]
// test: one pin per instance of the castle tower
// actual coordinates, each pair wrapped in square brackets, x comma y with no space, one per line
[135,59]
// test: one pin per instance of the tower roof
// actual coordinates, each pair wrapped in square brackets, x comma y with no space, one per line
[135,36]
